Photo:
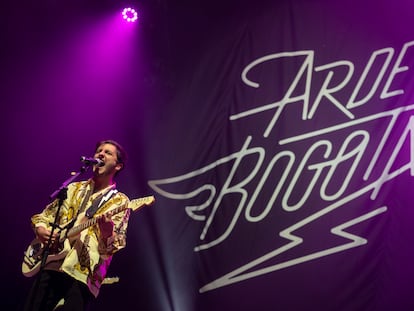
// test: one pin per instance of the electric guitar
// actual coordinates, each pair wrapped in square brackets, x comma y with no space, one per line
[33,256]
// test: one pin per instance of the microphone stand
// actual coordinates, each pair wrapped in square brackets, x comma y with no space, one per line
[61,194]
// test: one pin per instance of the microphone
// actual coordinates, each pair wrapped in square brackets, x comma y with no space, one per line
[92,161]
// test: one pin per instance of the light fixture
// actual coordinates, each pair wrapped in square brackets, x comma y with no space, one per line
[130,15]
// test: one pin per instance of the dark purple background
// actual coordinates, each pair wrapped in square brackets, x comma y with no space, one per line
[73,73]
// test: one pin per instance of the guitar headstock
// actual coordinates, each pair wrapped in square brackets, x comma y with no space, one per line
[137,203]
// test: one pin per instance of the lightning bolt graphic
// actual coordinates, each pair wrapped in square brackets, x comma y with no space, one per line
[239,274]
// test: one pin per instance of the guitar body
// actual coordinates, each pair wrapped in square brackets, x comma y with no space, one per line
[32,259]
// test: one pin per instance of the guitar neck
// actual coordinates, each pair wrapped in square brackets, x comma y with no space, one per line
[90,222]
[133,205]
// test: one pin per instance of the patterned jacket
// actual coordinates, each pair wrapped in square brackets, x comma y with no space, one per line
[88,255]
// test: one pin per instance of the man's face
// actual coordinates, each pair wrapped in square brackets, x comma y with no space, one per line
[108,154]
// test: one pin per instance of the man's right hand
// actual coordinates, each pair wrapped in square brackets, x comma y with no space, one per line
[43,235]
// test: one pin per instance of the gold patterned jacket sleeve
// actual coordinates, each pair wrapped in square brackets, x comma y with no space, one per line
[67,210]
[117,241]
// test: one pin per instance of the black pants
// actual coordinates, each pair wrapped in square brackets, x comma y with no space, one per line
[51,286]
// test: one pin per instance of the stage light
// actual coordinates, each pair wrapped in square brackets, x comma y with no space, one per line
[130,15]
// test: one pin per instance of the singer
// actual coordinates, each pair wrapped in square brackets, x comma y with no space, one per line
[75,267]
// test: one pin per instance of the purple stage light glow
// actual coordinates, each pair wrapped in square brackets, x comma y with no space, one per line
[130,15]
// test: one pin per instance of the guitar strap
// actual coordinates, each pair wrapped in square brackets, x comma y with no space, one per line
[99,201]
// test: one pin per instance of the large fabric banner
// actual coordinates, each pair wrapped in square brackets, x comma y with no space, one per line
[284,170]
